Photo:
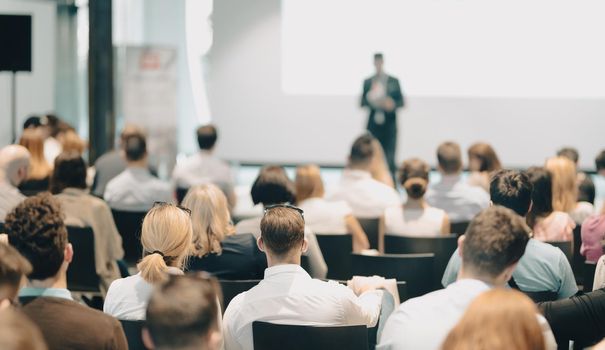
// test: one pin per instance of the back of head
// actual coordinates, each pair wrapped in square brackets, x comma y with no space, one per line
[569,153]
[511,189]
[13,268]
[71,142]
[449,157]
[17,332]
[166,238]
[183,313]
[206,137]
[272,186]
[210,218]
[486,156]
[495,240]
[498,319]
[600,161]
[32,122]
[414,177]
[33,140]
[69,171]
[541,195]
[362,152]
[308,183]
[135,147]
[14,163]
[564,186]
[282,231]
[586,192]
[36,229]
[130,130]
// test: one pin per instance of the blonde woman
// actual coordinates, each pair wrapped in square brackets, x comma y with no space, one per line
[565,189]
[166,238]
[39,169]
[216,249]
[324,216]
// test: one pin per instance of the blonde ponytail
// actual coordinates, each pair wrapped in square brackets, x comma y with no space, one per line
[153,268]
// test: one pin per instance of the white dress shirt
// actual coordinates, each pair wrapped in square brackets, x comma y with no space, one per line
[10,197]
[136,189]
[201,168]
[421,222]
[288,295]
[367,197]
[324,216]
[460,200]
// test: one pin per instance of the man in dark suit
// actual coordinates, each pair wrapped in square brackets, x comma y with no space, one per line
[382,95]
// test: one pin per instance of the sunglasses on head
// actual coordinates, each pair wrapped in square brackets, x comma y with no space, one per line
[288,206]
[163,204]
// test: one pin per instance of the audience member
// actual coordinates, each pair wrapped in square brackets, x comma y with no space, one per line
[68,183]
[599,181]
[379,167]
[17,332]
[71,142]
[565,189]
[39,169]
[204,167]
[216,248]
[367,197]
[183,314]
[166,238]
[593,235]
[415,217]
[271,187]
[482,162]
[288,294]
[547,224]
[499,319]
[460,200]
[327,217]
[14,168]
[136,189]
[50,127]
[13,272]
[36,229]
[543,267]
[585,184]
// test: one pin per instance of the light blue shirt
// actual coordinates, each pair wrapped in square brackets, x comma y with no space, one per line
[29,292]
[543,268]
[136,189]
[457,198]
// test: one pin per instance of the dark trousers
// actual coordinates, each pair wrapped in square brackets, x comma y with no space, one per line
[387,136]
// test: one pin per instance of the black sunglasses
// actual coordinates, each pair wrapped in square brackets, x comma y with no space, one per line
[163,204]
[288,206]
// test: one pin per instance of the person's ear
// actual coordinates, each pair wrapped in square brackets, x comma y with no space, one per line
[147,338]
[261,244]
[68,253]
[305,246]
[461,244]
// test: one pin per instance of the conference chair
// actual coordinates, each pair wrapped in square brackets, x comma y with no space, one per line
[336,250]
[459,228]
[374,229]
[132,330]
[2,227]
[269,336]
[181,192]
[442,246]
[588,271]
[566,247]
[578,259]
[82,273]
[129,225]
[415,269]
[232,288]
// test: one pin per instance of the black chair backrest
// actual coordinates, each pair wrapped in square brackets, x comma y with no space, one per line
[372,227]
[459,228]
[578,259]
[232,288]
[566,247]
[540,297]
[442,246]
[336,250]
[132,330]
[1,227]
[129,226]
[269,336]
[588,271]
[415,269]
[180,194]
[82,273]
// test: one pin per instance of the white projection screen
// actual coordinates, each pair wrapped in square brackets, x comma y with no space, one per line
[527,76]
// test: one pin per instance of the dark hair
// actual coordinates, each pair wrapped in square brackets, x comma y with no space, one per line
[449,157]
[511,189]
[586,191]
[272,186]
[206,136]
[414,177]
[32,122]
[282,229]
[69,171]
[569,153]
[36,229]
[495,239]
[182,311]
[378,56]
[13,267]
[362,150]
[486,155]
[541,195]
[135,147]
[600,161]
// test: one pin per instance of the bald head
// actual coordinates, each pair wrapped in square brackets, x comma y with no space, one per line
[14,164]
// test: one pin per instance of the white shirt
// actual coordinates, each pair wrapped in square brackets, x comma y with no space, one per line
[10,197]
[136,189]
[317,264]
[288,295]
[323,216]
[127,297]
[367,197]
[421,222]
[52,148]
[201,168]
[460,200]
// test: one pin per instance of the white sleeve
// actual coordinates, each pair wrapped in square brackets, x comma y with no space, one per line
[230,339]
[317,264]
[363,310]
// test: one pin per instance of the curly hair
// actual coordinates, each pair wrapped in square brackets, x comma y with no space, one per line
[36,229]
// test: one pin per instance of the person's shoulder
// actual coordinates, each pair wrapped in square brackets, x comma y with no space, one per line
[69,309]
[539,250]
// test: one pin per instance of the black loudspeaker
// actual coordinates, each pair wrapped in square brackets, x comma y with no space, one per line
[16,43]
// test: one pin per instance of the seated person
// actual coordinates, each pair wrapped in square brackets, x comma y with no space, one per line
[452,193]
[136,189]
[482,162]
[68,184]
[599,181]
[14,167]
[326,217]
[543,267]
[565,189]
[13,274]
[547,224]
[271,187]
[586,187]
[415,217]
[39,169]
[183,314]
[216,248]
[36,229]
[166,238]
[17,332]
[367,197]
[287,294]
[490,249]
[593,234]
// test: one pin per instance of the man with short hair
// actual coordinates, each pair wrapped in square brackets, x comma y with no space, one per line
[287,294]
[452,193]
[13,270]
[136,189]
[183,314]
[36,229]
[14,168]
[543,267]
[367,197]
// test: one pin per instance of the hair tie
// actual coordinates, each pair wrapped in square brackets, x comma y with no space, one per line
[158,252]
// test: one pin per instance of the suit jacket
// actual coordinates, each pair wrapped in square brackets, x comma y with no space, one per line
[393,91]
